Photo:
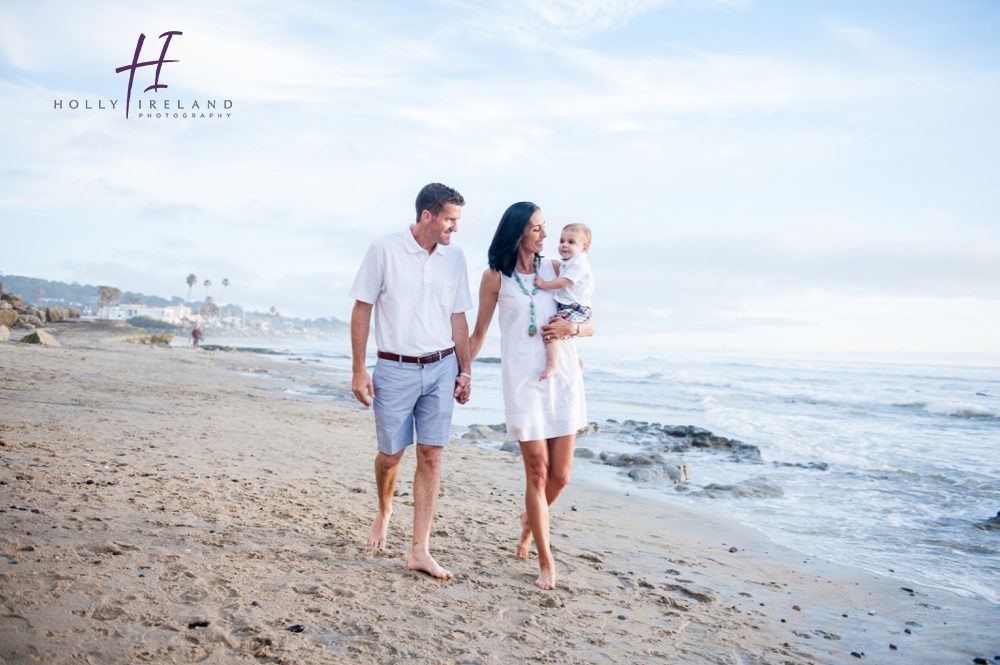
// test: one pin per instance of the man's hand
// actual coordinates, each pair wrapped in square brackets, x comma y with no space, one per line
[362,387]
[463,389]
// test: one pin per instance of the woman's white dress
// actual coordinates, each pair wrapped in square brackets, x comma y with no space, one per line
[536,409]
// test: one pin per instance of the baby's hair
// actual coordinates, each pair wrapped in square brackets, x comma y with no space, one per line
[582,228]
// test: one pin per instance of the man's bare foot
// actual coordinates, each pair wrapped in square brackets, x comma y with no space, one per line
[549,372]
[376,535]
[425,563]
[524,544]
[546,579]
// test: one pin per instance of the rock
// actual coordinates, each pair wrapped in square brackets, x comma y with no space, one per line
[584,453]
[588,429]
[756,488]
[482,433]
[511,447]
[8,317]
[12,298]
[991,524]
[28,321]
[56,313]
[4,333]
[40,337]
[676,473]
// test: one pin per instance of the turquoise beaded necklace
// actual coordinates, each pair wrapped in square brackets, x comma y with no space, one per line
[532,329]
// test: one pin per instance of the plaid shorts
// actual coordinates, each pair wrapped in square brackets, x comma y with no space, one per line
[575,312]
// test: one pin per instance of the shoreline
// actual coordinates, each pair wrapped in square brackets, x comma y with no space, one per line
[221,512]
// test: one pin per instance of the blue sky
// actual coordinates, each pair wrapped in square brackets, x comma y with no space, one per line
[759,176]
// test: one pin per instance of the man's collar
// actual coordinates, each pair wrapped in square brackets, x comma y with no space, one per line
[412,246]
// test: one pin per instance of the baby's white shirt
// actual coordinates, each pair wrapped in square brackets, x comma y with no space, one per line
[576,268]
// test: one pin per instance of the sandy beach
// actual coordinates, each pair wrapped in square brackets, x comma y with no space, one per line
[174,505]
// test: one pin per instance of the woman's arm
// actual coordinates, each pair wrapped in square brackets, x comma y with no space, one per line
[558,328]
[489,291]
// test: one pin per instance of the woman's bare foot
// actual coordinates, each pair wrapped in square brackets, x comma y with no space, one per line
[546,579]
[425,563]
[377,534]
[524,544]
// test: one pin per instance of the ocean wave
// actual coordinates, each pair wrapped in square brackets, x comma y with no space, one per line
[950,408]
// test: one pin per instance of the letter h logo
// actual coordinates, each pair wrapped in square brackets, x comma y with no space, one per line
[136,64]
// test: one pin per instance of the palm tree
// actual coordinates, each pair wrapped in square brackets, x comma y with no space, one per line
[207,284]
[191,280]
[225,283]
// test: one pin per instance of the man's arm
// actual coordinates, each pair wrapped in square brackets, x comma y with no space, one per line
[460,335]
[361,382]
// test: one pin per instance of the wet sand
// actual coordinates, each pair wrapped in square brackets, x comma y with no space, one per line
[174,505]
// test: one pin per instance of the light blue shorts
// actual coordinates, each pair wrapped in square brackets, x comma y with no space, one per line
[409,396]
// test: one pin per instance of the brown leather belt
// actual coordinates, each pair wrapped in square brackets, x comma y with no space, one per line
[420,360]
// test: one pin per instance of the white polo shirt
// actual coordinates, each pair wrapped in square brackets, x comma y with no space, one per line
[577,269]
[414,293]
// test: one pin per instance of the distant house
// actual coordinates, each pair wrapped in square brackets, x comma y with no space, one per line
[175,314]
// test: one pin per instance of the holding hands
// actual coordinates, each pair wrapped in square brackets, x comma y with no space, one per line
[463,388]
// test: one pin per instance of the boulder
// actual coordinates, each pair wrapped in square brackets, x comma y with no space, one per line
[511,447]
[4,333]
[675,473]
[28,321]
[73,313]
[12,298]
[991,524]
[8,317]
[584,453]
[40,337]
[56,313]
[482,433]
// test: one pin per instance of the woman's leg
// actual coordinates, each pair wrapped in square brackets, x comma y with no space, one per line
[547,467]
[536,471]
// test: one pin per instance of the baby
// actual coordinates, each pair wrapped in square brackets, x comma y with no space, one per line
[573,287]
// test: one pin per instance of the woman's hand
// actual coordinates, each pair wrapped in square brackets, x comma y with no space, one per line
[558,328]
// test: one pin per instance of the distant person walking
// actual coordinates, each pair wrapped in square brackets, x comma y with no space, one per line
[196,336]
[542,416]
[417,285]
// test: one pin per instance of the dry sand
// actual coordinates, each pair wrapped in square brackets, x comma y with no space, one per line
[169,505]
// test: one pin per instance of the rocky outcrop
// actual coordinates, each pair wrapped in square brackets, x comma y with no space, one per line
[54,314]
[28,321]
[40,337]
[12,298]
[991,524]
[756,488]
[8,317]
[657,438]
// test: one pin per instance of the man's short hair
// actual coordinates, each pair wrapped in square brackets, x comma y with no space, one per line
[435,196]
[579,228]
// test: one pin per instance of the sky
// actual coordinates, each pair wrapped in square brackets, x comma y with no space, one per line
[761,177]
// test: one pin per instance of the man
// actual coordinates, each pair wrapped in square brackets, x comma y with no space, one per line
[418,287]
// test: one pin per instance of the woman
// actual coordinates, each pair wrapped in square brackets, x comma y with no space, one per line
[543,416]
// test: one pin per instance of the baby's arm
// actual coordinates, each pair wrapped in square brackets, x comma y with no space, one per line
[552,285]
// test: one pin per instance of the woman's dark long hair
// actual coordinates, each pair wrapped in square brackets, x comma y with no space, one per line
[503,250]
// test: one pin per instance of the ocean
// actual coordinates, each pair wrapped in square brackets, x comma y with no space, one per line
[893,468]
